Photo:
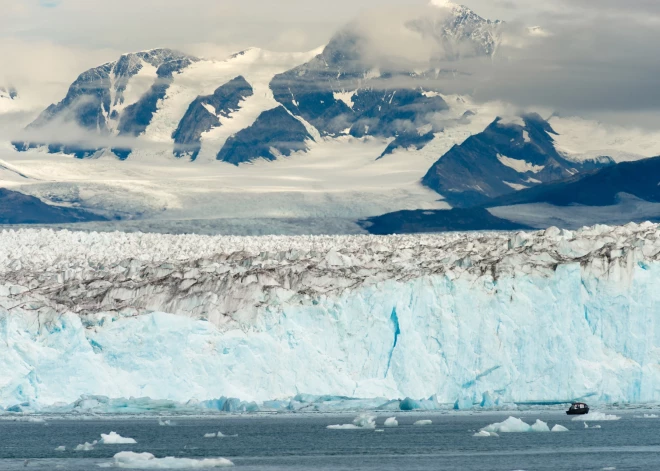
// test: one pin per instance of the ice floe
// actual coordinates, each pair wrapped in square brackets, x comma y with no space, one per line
[596,417]
[391,422]
[422,423]
[131,460]
[361,422]
[114,438]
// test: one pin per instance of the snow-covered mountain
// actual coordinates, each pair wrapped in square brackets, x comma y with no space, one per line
[466,319]
[354,127]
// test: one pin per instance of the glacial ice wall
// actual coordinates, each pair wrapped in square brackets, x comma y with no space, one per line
[466,318]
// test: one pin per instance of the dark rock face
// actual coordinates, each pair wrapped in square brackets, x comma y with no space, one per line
[275,132]
[459,219]
[198,119]
[373,106]
[8,92]
[501,159]
[599,188]
[89,102]
[17,208]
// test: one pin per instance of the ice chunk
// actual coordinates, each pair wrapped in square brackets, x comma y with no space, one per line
[421,423]
[391,422]
[60,448]
[596,417]
[166,423]
[380,430]
[560,428]
[210,435]
[130,460]
[86,446]
[483,433]
[514,425]
[114,438]
[596,426]
[361,422]
[540,426]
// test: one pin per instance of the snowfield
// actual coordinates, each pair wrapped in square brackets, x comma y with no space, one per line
[471,319]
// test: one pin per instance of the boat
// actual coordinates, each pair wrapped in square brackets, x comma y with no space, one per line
[578,408]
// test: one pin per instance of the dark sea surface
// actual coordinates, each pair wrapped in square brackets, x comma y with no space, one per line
[295,442]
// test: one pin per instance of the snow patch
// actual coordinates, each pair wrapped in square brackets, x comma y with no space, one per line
[346,97]
[519,166]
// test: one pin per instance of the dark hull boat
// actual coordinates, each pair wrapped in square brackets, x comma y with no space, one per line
[579,408]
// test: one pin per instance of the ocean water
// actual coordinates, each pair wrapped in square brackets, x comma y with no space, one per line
[302,442]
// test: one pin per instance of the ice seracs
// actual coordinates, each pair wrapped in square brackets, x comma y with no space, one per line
[148,316]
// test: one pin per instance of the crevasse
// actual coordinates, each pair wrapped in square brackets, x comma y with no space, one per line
[527,317]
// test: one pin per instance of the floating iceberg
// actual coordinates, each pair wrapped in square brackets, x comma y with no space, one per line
[86,446]
[422,423]
[484,434]
[442,319]
[114,438]
[391,422]
[559,428]
[60,448]
[596,417]
[514,425]
[361,422]
[130,460]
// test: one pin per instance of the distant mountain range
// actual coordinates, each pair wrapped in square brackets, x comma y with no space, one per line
[257,106]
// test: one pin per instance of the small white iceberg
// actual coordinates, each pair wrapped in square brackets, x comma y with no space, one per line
[361,422]
[130,460]
[60,448]
[218,435]
[483,433]
[114,438]
[86,446]
[559,428]
[380,430]
[422,423]
[595,417]
[166,423]
[514,425]
[391,422]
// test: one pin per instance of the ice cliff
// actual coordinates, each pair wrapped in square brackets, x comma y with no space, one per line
[471,319]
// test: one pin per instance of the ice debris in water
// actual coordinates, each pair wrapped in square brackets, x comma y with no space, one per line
[421,423]
[114,438]
[391,422]
[361,422]
[514,425]
[130,460]
[86,446]
[166,423]
[483,433]
[380,430]
[559,428]
[218,435]
[595,417]
[60,448]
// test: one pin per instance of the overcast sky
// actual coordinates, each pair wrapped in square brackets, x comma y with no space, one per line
[601,59]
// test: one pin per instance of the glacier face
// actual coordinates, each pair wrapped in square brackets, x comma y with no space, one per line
[468,318]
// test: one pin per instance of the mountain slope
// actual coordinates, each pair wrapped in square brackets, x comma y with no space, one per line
[17,208]
[639,178]
[506,157]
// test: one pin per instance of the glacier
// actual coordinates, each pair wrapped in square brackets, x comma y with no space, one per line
[133,322]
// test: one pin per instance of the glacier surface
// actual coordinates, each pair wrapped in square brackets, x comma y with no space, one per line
[302,323]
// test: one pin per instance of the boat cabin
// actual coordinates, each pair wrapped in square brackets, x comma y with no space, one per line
[578,408]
